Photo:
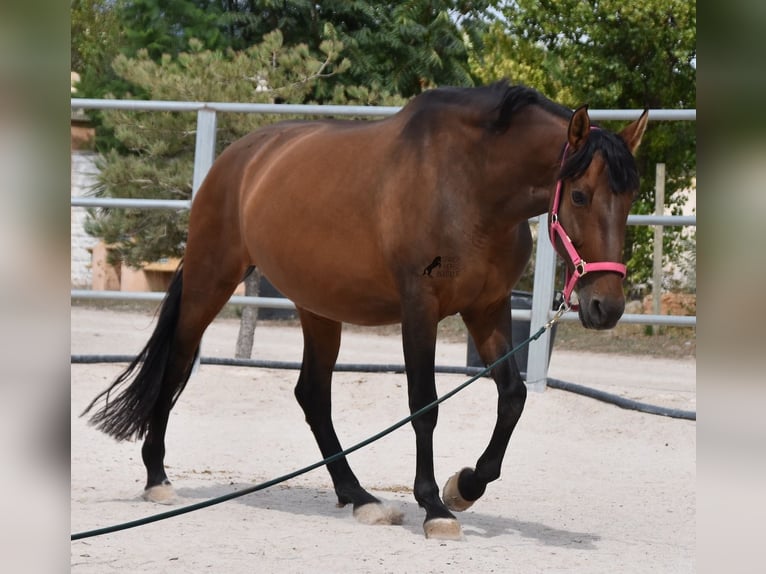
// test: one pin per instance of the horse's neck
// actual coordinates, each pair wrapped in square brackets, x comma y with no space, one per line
[526,163]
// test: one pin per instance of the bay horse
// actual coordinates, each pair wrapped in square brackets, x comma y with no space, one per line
[343,216]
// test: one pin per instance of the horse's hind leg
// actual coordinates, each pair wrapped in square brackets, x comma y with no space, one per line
[313,392]
[204,294]
[215,261]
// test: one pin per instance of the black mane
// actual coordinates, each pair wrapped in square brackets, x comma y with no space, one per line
[493,106]
[620,163]
[514,98]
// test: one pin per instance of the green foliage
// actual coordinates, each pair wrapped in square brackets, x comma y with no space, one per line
[415,45]
[96,34]
[402,47]
[611,54]
[521,60]
[166,26]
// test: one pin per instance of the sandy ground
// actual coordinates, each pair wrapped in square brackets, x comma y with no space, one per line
[586,486]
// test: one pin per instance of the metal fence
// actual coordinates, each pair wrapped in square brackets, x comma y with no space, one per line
[544,279]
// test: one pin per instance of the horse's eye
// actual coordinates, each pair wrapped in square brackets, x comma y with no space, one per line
[579,197]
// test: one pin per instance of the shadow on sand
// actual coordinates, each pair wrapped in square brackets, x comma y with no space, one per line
[309,501]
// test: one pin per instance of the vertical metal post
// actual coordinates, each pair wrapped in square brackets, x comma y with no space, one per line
[659,209]
[542,300]
[204,154]
[204,149]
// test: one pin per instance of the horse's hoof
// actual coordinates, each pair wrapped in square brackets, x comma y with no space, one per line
[443,529]
[378,513]
[452,497]
[161,494]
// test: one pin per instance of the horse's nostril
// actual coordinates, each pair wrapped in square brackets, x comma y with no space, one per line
[604,314]
[596,308]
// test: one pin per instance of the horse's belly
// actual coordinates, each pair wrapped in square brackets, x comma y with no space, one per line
[339,276]
[343,294]
[313,229]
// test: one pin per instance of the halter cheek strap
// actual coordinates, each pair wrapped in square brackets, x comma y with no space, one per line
[581,267]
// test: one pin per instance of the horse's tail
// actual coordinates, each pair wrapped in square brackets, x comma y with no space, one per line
[129,413]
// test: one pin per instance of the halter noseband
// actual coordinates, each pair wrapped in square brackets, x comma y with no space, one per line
[581,267]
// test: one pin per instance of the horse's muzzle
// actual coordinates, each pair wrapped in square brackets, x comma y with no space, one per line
[599,312]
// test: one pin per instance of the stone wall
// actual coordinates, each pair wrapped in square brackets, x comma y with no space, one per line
[84,172]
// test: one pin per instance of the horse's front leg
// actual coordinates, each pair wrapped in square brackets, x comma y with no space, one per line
[492,335]
[419,323]
[321,344]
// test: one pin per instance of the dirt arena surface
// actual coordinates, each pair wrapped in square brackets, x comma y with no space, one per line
[586,487]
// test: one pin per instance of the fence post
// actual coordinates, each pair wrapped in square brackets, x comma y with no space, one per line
[204,154]
[542,300]
[204,149]
[659,209]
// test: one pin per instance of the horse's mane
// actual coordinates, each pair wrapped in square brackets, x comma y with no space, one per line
[514,98]
[494,106]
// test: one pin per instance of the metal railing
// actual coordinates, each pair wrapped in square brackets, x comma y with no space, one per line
[204,154]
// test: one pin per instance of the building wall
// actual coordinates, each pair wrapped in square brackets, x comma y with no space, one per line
[84,172]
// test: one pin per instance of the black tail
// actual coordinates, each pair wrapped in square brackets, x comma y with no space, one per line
[129,414]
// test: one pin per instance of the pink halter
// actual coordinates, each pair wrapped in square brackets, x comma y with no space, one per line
[581,268]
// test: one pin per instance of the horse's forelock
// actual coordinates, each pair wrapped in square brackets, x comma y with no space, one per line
[620,163]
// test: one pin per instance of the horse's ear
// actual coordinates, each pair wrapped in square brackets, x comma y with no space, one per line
[633,133]
[579,127]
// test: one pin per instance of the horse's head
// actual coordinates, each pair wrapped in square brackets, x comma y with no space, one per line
[597,184]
